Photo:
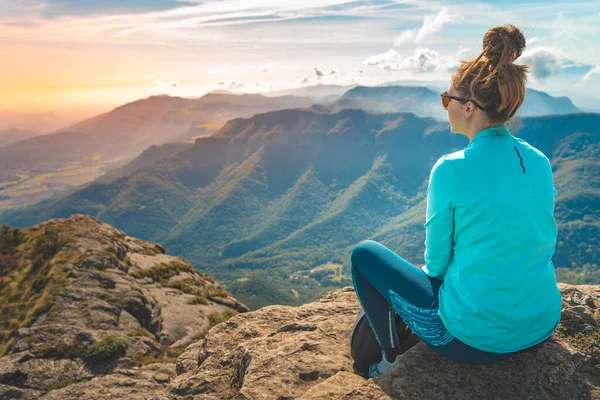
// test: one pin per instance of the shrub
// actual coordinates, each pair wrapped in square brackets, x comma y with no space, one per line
[163,272]
[216,318]
[167,355]
[107,348]
[10,239]
[48,244]
[199,300]
[141,332]
[190,286]
[218,292]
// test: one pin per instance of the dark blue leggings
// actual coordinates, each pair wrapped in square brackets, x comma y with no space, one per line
[386,283]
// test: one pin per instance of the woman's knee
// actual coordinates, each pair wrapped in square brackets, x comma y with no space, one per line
[362,252]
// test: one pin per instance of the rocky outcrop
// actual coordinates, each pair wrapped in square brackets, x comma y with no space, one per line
[281,352]
[96,314]
[93,313]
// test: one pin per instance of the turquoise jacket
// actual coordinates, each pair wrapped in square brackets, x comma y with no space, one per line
[490,236]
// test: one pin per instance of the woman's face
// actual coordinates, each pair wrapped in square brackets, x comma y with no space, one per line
[455,112]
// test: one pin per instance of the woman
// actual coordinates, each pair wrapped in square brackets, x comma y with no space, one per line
[488,287]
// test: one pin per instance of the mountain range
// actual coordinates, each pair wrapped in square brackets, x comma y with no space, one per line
[272,205]
[425,102]
[37,168]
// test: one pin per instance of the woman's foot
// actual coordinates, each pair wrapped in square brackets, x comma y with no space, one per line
[383,366]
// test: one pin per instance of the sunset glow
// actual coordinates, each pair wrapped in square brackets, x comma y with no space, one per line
[68,55]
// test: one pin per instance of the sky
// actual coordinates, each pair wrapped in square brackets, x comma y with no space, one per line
[92,56]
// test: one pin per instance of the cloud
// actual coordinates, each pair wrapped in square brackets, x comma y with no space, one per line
[563,28]
[304,80]
[320,73]
[218,71]
[265,68]
[20,8]
[544,62]
[432,24]
[406,36]
[422,60]
[533,40]
[159,86]
[354,76]
[593,71]
[389,57]
[233,84]
[160,83]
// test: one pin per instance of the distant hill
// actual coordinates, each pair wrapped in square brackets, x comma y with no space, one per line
[420,97]
[319,91]
[39,122]
[272,205]
[39,167]
[148,156]
[40,154]
[161,119]
[10,136]
[426,102]
[386,99]
[133,127]
[540,103]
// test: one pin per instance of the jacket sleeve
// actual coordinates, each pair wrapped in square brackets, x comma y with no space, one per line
[439,220]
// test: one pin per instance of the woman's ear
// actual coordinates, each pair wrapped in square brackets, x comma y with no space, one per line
[469,110]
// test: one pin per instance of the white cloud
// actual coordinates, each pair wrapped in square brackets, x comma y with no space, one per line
[563,28]
[406,36]
[432,24]
[545,62]
[593,71]
[533,40]
[265,68]
[354,76]
[422,60]
[389,57]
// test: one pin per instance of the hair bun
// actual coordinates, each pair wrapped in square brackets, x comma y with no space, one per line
[503,44]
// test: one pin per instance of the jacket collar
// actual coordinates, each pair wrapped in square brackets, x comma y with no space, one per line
[497,130]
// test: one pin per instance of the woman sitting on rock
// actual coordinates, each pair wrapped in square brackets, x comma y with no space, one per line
[488,287]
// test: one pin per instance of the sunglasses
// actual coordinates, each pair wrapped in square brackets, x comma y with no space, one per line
[446,98]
